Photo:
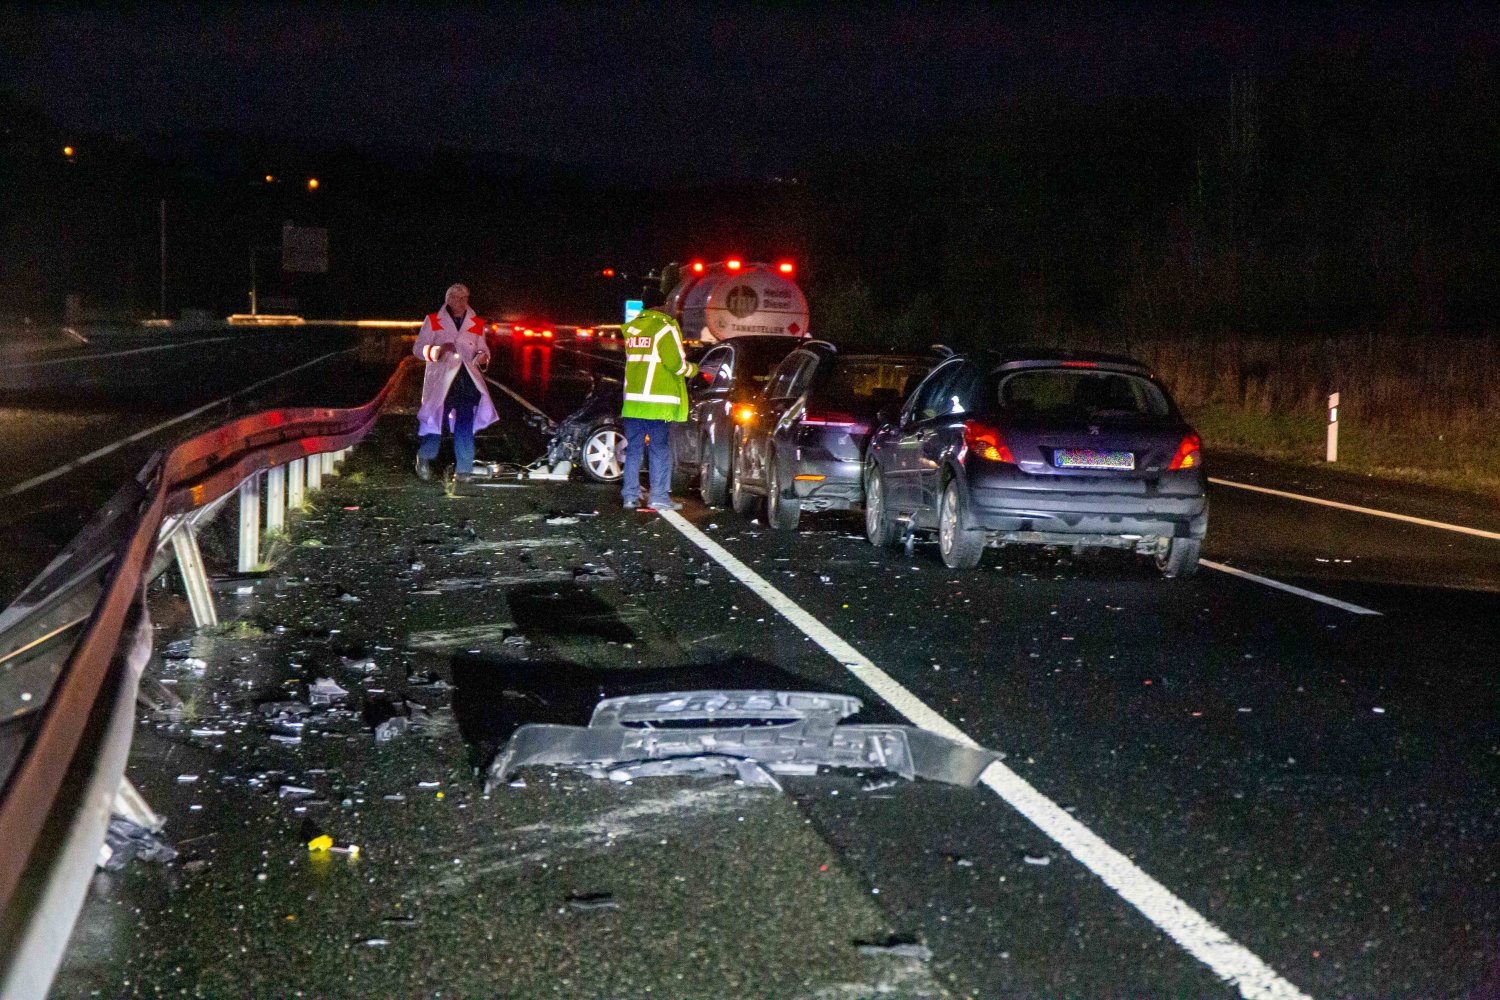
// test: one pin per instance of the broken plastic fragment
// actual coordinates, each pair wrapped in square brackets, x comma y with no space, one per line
[325,692]
[320,843]
[592,901]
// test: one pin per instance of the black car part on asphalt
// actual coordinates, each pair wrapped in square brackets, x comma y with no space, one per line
[1042,447]
[801,443]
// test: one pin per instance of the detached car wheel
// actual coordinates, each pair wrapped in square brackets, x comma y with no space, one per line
[880,527]
[601,458]
[1180,561]
[713,487]
[961,547]
[781,513]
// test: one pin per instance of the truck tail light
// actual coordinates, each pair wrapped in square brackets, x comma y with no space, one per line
[986,442]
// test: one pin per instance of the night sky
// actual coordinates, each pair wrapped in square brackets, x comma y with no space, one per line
[681,90]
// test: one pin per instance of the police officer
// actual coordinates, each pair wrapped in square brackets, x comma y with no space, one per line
[656,374]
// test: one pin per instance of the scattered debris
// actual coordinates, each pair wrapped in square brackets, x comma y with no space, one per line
[325,692]
[375,942]
[562,519]
[186,779]
[390,729]
[1037,859]
[896,947]
[294,792]
[125,841]
[590,902]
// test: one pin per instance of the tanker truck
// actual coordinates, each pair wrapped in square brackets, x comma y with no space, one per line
[736,298]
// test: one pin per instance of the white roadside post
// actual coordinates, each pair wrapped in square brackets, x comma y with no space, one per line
[328,466]
[249,524]
[314,473]
[276,499]
[1333,427]
[296,488]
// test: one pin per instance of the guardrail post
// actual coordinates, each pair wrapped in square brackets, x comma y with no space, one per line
[296,488]
[314,473]
[328,459]
[1332,453]
[276,499]
[194,576]
[249,524]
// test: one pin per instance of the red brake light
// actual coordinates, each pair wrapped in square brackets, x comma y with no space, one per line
[733,265]
[697,267]
[608,272]
[987,442]
[831,419]
[1189,453]
[1079,364]
[547,334]
[785,267]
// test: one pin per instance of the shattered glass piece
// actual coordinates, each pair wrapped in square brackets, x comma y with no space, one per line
[396,725]
[904,949]
[325,692]
[750,772]
[124,841]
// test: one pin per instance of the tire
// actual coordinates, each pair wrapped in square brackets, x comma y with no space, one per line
[781,514]
[600,455]
[1180,561]
[880,528]
[712,485]
[740,499]
[960,546]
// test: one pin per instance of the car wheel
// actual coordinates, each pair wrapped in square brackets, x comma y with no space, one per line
[740,499]
[880,527]
[601,458]
[1180,561]
[781,513]
[960,545]
[713,487]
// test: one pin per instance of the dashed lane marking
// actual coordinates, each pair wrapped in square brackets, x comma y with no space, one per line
[1288,588]
[120,354]
[1227,958]
[1426,523]
[109,449]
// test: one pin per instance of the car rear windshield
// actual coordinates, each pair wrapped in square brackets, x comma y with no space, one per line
[867,385]
[1070,394]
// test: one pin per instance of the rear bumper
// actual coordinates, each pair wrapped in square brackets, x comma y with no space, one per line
[1021,511]
[841,487]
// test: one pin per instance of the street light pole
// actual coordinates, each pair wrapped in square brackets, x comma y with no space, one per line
[162,311]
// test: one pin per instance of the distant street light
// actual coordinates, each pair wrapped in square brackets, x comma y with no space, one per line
[312,183]
[270,179]
[67,150]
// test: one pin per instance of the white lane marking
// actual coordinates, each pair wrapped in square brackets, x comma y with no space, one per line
[1227,958]
[516,396]
[1287,587]
[121,354]
[80,462]
[1461,529]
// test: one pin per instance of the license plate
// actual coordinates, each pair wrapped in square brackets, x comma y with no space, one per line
[1088,458]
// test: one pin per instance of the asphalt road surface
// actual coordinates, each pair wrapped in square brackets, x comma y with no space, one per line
[1323,783]
[75,422]
[1212,787]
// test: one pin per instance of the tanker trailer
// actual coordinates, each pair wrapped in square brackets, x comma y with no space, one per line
[735,299]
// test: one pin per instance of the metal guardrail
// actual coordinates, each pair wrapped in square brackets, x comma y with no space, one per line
[73,645]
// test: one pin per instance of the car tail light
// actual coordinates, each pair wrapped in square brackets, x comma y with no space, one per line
[1189,453]
[733,265]
[744,414]
[1079,364]
[585,333]
[697,267]
[785,267]
[985,441]
[547,334]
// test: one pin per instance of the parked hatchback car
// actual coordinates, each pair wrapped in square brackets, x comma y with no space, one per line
[1040,447]
[801,443]
[730,375]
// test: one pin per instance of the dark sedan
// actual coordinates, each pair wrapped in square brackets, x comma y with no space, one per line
[1040,447]
[730,376]
[801,444]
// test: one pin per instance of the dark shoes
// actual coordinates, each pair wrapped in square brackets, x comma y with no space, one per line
[424,469]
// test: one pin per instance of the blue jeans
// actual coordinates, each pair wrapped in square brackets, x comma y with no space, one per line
[636,431]
[463,438]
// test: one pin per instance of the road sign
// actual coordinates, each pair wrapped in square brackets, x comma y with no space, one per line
[633,308]
[304,250]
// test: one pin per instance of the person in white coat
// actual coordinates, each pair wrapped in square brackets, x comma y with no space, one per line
[453,390]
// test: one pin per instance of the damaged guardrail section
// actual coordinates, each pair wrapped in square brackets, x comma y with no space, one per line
[751,734]
[72,648]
